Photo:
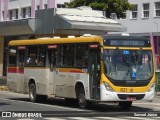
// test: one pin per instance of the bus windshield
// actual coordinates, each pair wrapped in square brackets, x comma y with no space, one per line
[128,64]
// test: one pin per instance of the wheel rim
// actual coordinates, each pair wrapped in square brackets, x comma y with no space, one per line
[82,100]
[32,93]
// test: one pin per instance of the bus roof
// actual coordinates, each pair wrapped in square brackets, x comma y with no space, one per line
[56,41]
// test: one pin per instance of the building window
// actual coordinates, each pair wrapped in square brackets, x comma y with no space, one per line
[24,13]
[29,12]
[134,12]
[60,6]
[157,9]
[16,13]
[125,13]
[38,7]
[10,14]
[146,10]
[45,6]
[12,0]
[3,14]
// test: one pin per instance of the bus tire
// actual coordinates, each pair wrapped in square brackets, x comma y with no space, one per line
[32,93]
[82,102]
[125,104]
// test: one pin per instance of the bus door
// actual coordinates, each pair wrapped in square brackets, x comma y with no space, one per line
[94,71]
[20,69]
[52,54]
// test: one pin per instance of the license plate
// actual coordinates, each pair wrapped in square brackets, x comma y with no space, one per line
[131,98]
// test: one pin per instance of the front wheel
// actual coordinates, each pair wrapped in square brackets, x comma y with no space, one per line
[125,104]
[82,102]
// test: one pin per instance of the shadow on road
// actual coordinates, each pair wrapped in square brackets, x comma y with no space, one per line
[105,107]
[2,103]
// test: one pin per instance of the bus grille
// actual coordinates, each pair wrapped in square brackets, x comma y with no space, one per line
[137,96]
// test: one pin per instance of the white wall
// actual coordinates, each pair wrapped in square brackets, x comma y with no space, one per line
[26,3]
[19,4]
[142,25]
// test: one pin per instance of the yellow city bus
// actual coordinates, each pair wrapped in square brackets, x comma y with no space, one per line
[87,69]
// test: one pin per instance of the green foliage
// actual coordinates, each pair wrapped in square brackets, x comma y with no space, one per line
[110,6]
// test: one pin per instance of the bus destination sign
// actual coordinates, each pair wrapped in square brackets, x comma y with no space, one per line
[138,43]
[127,42]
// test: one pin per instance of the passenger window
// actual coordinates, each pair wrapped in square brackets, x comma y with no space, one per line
[68,55]
[36,56]
[12,56]
[41,55]
[52,55]
[81,55]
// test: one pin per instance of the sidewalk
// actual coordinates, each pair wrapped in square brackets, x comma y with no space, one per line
[157,94]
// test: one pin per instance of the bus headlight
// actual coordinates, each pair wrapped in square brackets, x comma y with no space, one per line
[152,87]
[108,87]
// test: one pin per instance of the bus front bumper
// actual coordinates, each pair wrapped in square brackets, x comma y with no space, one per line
[123,96]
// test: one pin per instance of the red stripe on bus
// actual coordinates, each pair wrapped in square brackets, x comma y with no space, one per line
[15,70]
[75,71]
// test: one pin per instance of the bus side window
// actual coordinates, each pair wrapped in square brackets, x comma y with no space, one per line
[32,56]
[81,55]
[12,56]
[52,54]
[32,60]
[41,55]
[68,55]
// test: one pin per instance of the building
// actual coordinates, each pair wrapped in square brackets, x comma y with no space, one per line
[144,20]
[22,11]
[29,19]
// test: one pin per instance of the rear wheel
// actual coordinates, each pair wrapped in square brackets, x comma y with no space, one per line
[125,104]
[32,92]
[33,95]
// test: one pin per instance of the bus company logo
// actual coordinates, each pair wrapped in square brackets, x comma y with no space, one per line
[6,114]
[131,90]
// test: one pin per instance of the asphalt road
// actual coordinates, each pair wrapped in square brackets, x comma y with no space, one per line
[19,107]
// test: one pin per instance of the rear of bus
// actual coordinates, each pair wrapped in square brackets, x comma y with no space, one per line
[128,73]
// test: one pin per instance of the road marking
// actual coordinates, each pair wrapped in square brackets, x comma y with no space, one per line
[51,118]
[111,118]
[104,118]
[45,105]
[146,103]
[142,118]
[157,108]
[80,118]
[25,119]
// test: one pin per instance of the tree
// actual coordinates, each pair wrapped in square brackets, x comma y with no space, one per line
[110,6]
